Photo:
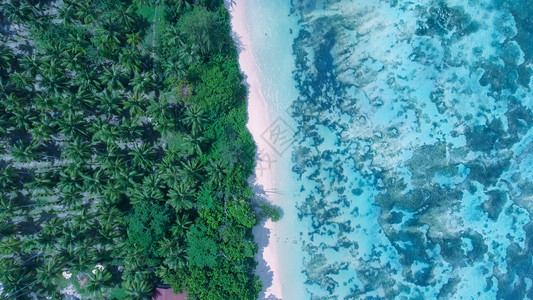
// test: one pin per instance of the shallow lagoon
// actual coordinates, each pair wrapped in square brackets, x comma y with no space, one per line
[411,157]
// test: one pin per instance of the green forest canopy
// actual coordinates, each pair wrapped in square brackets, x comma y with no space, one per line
[123,144]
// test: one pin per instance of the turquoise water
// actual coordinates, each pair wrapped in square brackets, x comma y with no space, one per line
[410,171]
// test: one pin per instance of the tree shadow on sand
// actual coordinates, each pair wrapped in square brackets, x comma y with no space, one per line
[262,236]
[237,39]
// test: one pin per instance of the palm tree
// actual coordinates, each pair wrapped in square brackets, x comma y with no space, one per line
[30,247]
[47,275]
[142,3]
[73,125]
[23,119]
[114,167]
[23,153]
[129,129]
[143,156]
[134,39]
[95,184]
[12,102]
[109,236]
[83,221]
[173,38]
[8,178]
[216,172]
[104,132]
[128,177]
[143,82]
[84,11]
[67,13]
[70,195]
[174,253]
[190,171]
[109,216]
[44,181]
[8,207]
[194,144]
[113,77]
[72,174]
[54,83]
[42,22]
[47,103]
[53,226]
[110,103]
[22,80]
[157,109]
[181,197]
[15,277]
[77,44]
[189,54]
[75,61]
[86,79]
[182,5]
[175,70]
[84,100]
[166,246]
[53,49]
[107,40]
[138,287]
[5,127]
[10,246]
[51,65]
[111,194]
[74,252]
[137,196]
[181,226]
[116,152]
[130,59]
[17,12]
[29,63]
[77,150]
[98,283]
[153,185]
[81,101]
[167,169]
[165,125]
[194,118]
[27,12]
[136,105]
[178,260]
[125,16]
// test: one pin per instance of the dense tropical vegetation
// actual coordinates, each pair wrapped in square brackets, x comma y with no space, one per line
[124,154]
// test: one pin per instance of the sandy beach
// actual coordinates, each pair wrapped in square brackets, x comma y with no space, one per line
[258,122]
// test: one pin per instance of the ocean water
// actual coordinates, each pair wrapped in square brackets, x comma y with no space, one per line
[409,169]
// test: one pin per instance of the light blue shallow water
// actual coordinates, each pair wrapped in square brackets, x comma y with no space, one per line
[410,171]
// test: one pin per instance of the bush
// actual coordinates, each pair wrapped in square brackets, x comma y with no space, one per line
[204,29]
[270,211]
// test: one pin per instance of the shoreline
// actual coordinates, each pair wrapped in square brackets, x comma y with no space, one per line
[258,122]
